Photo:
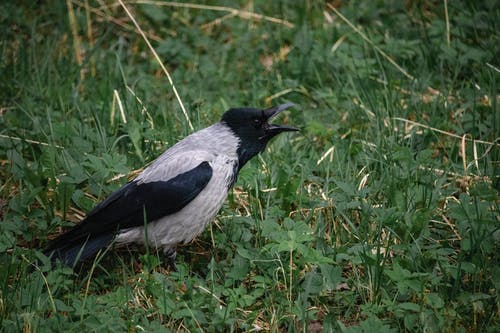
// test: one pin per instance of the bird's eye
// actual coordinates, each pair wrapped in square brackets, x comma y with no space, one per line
[257,122]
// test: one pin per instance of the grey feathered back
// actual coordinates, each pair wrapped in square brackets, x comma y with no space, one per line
[200,146]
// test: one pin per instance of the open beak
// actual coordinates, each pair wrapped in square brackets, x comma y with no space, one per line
[273,112]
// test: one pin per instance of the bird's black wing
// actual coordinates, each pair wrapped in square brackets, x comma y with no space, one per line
[138,203]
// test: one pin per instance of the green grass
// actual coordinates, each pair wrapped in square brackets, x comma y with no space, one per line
[380,215]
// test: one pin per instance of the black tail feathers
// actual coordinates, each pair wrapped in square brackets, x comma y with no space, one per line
[70,254]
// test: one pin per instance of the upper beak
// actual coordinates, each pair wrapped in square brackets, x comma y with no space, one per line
[273,112]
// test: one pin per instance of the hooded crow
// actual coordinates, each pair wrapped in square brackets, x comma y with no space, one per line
[173,199]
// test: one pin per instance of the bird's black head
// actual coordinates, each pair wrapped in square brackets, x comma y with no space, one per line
[253,129]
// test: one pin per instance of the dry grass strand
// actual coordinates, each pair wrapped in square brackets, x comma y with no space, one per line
[244,14]
[494,143]
[146,40]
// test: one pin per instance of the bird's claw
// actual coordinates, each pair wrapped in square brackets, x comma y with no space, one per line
[170,255]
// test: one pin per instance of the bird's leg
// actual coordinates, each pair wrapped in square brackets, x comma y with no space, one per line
[170,254]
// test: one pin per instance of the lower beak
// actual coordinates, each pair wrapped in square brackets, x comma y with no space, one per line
[276,129]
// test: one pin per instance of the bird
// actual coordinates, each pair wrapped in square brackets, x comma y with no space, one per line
[174,198]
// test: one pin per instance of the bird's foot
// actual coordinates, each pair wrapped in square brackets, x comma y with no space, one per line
[170,255]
